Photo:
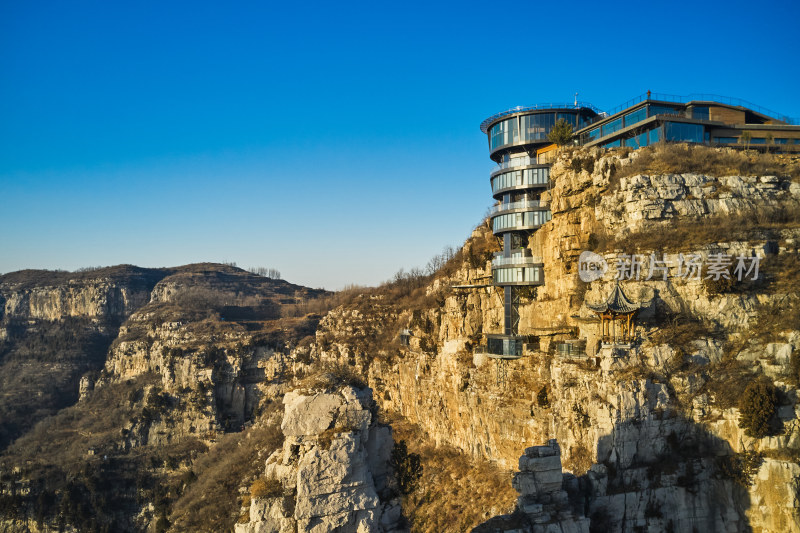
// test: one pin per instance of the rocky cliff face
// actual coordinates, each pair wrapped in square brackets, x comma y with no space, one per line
[54,328]
[333,471]
[651,429]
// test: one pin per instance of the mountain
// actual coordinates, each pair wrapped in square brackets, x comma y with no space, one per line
[207,398]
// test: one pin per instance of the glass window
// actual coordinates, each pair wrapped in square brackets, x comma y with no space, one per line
[637,141]
[758,140]
[504,132]
[593,134]
[611,127]
[700,112]
[662,110]
[726,140]
[781,141]
[636,116]
[678,131]
[613,144]
[569,117]
[655,135]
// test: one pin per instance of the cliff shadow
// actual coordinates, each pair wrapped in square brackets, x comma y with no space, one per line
[665,472]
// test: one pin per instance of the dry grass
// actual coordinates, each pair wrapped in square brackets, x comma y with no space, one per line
[456,492]
[687,234]
[671,158]
[328,376]
[210,502]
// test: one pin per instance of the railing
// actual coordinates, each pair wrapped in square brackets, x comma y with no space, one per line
[521,109]
[526,204]
[571,349]
[514,163]
[517,259]
[699,97]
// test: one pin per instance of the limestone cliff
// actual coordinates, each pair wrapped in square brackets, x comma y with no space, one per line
[332,473]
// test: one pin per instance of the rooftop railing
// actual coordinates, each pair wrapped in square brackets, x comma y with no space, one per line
[694,97]
[537,107]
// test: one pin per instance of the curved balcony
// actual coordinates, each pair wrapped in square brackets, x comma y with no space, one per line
[515,162]
[516,260]
[574,106]
[517,166]
[521,221]
[533,177]
[523,205]
[518,275]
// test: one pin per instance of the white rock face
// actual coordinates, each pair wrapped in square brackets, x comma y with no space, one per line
[334,468]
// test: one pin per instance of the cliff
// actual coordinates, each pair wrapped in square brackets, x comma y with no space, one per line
[652,430]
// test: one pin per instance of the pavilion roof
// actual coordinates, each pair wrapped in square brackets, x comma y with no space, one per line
[617,303]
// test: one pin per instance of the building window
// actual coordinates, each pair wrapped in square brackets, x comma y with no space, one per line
[700,112]
[758,140]
[569,117]
[653,110]
[611,127]
[505,132]
[726,140]
[613,144]
[637,116]
[678,131]
[655,135]
[637,141]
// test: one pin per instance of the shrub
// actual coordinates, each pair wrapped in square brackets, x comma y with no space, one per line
[333,376]
[407,467]
[757,407]
[561,133]
[541,398]
[266,488]
[740,467]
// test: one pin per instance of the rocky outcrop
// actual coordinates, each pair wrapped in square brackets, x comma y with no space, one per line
[543,506]
[333,469]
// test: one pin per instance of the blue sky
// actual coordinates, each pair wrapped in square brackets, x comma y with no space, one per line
[336,142]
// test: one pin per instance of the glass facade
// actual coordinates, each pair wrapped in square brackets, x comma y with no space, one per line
[611,127]
[527,177]
[726,140]
[536,127]
[678,131]
[700,112]
[529,128]
[654,135]
[504,346]
[637,141]
[518,275]
[504,132]
[637,116]
[653,110]
[515,220]
[570,118]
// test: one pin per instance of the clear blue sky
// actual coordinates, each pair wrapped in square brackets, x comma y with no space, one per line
[335,141]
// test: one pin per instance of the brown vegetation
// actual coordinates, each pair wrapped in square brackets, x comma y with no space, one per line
[456,492]
[681,158]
